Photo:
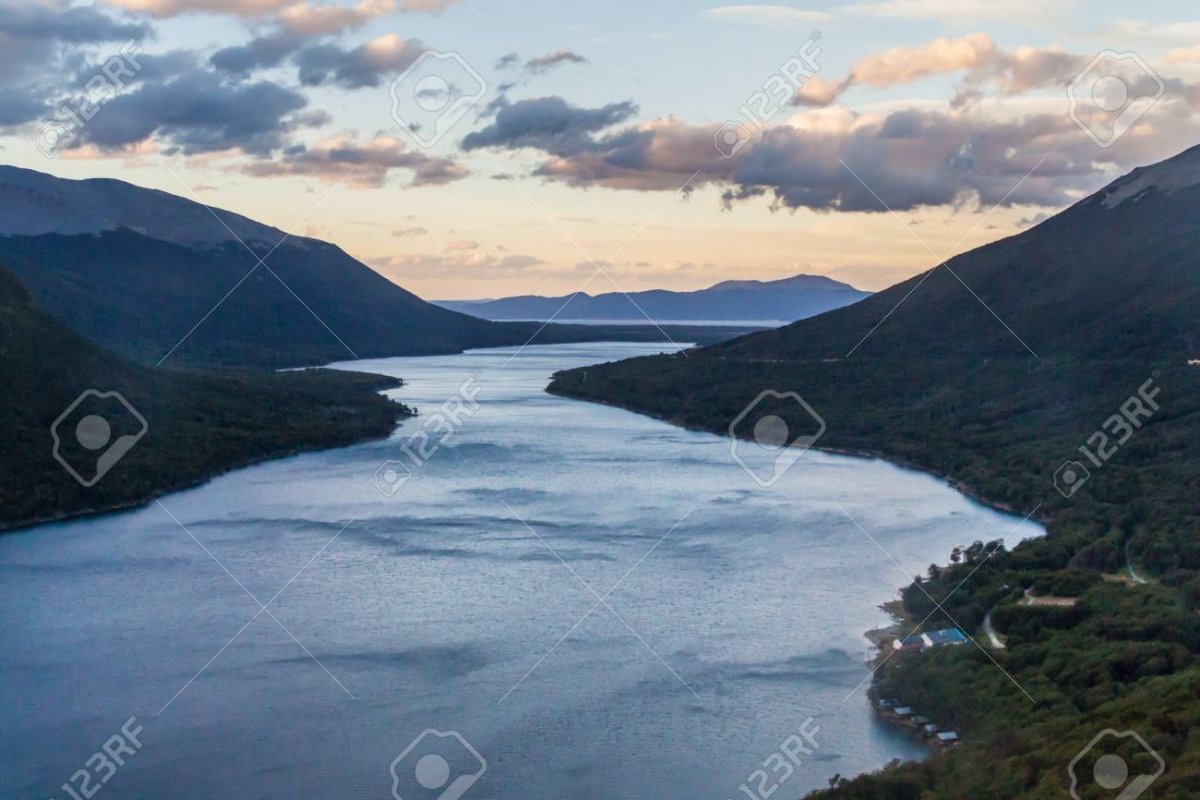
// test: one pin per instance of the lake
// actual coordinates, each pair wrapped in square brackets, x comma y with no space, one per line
[599,604]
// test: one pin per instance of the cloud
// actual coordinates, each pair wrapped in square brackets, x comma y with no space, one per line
[1184,55]
[197,112]
[507,61]
[551,60]
[475,264]
[321,18]
[362,165]
[818,92]
[39,40]
[363,66]
[56,21]
[19,105]
[547,123]
[976,55]
[963,11]
[767,14]
[416,230]
[459,245]
[910,158]
[247,9]
[428,6]
[262,52]
[322,63]
[309,20]
[907,64]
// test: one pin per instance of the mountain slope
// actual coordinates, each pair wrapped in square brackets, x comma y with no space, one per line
[1107,294]
[751,301]
[199,423]
[1115,274]
[149,274]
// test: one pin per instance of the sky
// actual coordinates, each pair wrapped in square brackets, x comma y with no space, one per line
[477,148]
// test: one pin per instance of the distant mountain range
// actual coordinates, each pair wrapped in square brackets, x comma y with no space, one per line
[783,300]
[149,274]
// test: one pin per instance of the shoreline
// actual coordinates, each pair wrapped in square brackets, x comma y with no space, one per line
[962,487]
[402,412]
[877,636]
[130,505]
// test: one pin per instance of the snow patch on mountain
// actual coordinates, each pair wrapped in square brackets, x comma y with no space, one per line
[1168,177]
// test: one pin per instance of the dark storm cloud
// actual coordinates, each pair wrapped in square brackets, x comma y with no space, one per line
[549,124]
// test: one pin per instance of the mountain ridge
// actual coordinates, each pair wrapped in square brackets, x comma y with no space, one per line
[154,276]
[37,203]
[785,299]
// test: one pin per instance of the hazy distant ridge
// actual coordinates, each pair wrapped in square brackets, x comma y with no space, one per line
[787,300]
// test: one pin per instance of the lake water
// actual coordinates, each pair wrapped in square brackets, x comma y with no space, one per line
[461,603]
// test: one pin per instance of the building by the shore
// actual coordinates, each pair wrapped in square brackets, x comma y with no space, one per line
[923,641]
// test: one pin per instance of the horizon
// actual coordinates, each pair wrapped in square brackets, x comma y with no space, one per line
[912,135]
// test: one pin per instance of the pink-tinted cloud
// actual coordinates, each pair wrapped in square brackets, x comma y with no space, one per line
[361,164]
[319,20]
[977,56]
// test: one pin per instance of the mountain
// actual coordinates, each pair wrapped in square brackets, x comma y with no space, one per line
[1048,373]
[745,301]
[149,274]
[197,423]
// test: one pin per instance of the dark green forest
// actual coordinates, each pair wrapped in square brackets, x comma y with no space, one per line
[200,422]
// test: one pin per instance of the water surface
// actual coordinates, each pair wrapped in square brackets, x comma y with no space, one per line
[461,602]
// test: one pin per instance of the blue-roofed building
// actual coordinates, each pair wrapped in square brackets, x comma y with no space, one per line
[946,636]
